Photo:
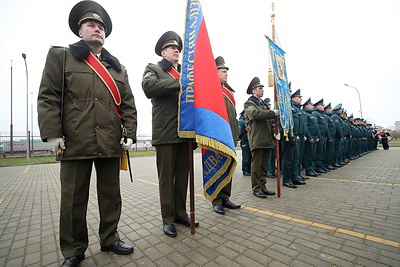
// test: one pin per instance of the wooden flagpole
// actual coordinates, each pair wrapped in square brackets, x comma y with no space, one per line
[277,142]
[191,186]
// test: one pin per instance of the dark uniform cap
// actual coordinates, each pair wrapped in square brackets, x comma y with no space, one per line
[321,102]
[338,106]
[88,10]
[297,93]
[220,62]
[328,106]
[169,38]
[253,84]
[307,102]
[351,115]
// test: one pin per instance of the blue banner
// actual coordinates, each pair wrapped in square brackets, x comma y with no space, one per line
[282,88]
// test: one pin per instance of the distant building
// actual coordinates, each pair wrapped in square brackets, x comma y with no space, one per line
[397,126]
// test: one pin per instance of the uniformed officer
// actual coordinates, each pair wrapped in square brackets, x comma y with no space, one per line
[330,145]
[312,139]
[261,136]
[81,116]
[161,85]
[336,111]
[325,135]
[222,199]
[303,133]
[290,148]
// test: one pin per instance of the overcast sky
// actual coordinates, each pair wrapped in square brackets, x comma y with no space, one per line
[327,44]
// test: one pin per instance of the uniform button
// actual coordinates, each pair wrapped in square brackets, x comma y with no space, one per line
[95,99]
[97,126]
[99,153]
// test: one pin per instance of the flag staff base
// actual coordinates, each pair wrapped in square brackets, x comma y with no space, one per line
[191,186]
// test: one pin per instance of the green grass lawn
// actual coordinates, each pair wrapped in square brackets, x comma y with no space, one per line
[34,159]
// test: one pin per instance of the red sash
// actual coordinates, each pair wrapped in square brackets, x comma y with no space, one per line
[229,95]
[106,77]
[174,73]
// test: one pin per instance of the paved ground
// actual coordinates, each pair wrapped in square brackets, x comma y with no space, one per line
[348,217]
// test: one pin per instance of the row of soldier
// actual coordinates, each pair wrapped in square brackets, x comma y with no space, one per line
[324,138]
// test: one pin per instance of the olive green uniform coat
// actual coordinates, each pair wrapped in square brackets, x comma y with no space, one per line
[74,103]
[172,162]
[261,139]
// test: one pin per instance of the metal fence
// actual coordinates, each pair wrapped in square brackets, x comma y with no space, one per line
[17,143]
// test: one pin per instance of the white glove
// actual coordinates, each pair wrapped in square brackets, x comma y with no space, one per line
[126,145]
[276,112]
[277,136]
[55,143]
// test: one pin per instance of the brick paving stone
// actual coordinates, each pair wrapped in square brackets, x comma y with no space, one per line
[196,258]
[368,262]
[247,261]
[277,263]
[305,246]
[164,261]
[313,260]
[334,260]
[257,256]
[297,263]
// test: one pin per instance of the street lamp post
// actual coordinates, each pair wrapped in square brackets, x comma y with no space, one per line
[11,124]
[359,97]
[32,121]
[27,110]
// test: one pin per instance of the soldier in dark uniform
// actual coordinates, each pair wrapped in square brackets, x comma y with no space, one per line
[261,136]
[304,134]
[290,147]
[161,85]
[346,138]
[78,116]
[222,200]
[339,134]
[320,153]
[312,139]
[244,145]
[330,145]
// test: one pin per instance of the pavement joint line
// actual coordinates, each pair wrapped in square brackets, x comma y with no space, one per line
[311,223]
[26,169]
[352,181]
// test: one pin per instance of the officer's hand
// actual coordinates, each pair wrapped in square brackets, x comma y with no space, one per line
[277,136]
[126,145]
[305,138]
[244,146]
[317,140]
[298,138]
[56,142]
[276,112]
[311,140]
